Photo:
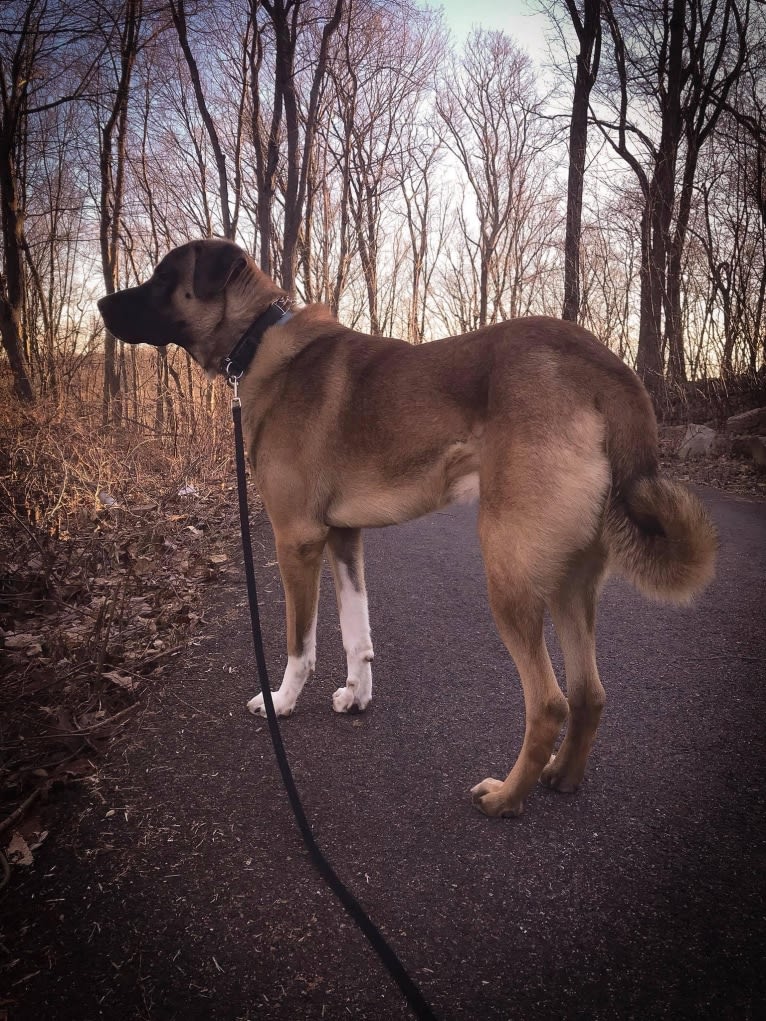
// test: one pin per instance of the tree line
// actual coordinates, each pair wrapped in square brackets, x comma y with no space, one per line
[417,187]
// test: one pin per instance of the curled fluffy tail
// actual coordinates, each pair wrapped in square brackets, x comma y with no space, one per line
[661,538]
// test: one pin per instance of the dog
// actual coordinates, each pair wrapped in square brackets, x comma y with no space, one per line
[551,432]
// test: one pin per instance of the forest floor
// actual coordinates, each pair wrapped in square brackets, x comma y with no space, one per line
[127,896]
[729,474]
[81,656]
[79,660]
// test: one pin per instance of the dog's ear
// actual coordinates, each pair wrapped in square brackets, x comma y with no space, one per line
[217,264]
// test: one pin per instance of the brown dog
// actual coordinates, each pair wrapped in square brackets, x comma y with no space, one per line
[550,430]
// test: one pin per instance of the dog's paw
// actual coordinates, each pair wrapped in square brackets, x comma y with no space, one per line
[281,706]
[488,797]
[348,700]
[556,776]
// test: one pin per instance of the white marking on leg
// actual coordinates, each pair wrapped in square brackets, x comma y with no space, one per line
[297,672]
[355,628]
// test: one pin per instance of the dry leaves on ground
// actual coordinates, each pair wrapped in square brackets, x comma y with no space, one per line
[100,584]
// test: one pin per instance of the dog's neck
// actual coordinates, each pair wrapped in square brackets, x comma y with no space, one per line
[237,362]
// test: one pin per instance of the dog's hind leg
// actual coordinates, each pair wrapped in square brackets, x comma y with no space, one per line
[542,496]
[573,609]
[519,613]
[344,547]
[300,563]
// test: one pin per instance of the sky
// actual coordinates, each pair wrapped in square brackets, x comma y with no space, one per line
[517,18]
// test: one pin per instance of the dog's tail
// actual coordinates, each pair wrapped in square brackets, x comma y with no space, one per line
[658,533]
[661,538]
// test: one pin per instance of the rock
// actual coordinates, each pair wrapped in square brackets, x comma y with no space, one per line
[751,422]
[721,445]
[698,441]
[753,447]
[671,436]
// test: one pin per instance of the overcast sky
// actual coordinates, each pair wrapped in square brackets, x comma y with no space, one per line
[515,17]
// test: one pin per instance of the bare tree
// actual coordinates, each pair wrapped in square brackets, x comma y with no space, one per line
[587,26]
[228,216]
[36,34]
[610,264]
[57,252]
[124,33]
[285,19]
[730,228]
[381,84]
[490,115]
[673,65]
[717,38]
[424,224]
[657,185]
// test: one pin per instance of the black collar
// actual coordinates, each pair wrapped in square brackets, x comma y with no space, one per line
[236,364]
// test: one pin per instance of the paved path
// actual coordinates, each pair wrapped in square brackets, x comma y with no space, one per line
[640,897]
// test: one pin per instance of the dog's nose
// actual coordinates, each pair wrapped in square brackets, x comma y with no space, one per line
[101,302]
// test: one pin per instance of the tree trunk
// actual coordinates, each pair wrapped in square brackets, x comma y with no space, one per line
[658,191]
[266,151]
[178,13]
[112,167]
[285,27]
[707,96]
[673,284]
[11,285]
[649,354]
[284,17]
[484,286]
[589,35]
[12,278]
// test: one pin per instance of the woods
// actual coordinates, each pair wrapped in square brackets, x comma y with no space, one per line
[420,185]
[417,186]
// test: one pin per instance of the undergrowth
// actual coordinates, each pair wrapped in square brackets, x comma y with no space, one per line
[107,537]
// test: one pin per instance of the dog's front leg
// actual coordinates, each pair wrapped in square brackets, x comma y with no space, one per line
[344,546]
[300,562]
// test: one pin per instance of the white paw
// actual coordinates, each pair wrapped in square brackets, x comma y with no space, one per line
[347,699]
[282,706]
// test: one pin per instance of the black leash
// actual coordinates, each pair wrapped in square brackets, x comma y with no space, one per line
[395,967]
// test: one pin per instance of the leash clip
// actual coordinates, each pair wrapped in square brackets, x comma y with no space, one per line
[232,380]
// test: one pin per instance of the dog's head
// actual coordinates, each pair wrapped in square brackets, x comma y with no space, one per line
[202,296]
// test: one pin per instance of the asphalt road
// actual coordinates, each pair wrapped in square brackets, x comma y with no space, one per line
[181,890]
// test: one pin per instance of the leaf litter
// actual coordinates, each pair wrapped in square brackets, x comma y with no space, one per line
[97,594]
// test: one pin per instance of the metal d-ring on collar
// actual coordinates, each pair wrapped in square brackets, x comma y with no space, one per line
[237,362]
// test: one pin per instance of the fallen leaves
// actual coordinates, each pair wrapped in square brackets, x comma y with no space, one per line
[121,680]
[18,852]
[87,624]
[107,535]
[24,840]
[22,642]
